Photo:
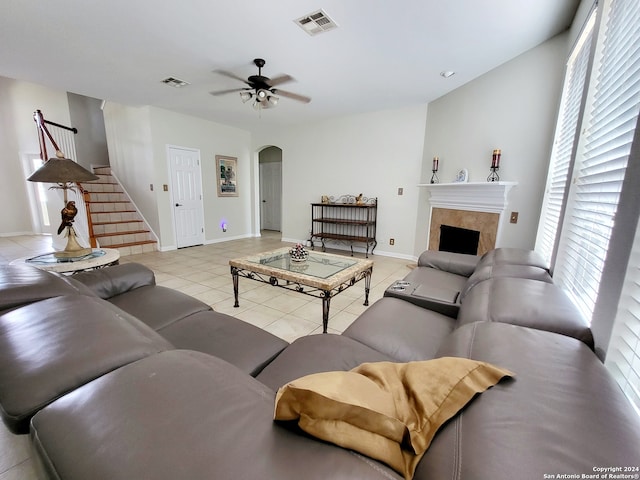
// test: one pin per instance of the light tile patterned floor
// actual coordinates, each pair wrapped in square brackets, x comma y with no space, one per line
[204,273]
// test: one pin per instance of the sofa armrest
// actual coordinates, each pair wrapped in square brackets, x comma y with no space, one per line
[458,263]
[117,279]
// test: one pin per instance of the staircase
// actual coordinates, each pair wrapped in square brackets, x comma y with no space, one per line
[116,222]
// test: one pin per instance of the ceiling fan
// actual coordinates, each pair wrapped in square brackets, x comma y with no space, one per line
[260,88]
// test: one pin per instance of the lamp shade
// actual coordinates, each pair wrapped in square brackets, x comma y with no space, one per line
[61,170]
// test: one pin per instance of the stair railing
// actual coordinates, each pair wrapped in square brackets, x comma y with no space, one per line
[83,224]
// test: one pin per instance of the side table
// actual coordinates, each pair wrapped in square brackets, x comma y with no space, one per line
[98,258]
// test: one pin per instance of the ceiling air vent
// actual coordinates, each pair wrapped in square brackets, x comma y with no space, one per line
[175,82]
[316,22]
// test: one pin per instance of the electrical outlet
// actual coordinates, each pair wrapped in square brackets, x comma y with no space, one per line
[392,241]
[514,217]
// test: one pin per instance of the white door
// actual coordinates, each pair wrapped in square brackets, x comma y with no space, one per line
[270,195]
[186,195]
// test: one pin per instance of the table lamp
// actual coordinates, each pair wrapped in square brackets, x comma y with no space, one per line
[65,172]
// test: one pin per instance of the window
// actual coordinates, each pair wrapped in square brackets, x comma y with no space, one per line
[623,356]
[565,139]
[603,150]
[594,228]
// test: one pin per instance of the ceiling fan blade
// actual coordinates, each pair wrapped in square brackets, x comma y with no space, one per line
[280,79]
[291,95]
[231,75]
[224,92]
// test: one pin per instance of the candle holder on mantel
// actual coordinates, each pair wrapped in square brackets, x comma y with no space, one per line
[434,170]
[495,166]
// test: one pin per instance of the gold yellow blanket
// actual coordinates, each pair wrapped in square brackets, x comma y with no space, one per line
[387,411]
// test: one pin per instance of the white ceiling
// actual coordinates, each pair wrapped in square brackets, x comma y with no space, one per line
[384,54]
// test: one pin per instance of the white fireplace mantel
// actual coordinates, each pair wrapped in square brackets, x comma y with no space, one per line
[475,196]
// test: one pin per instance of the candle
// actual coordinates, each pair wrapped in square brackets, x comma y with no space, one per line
[435,163]
[495,159]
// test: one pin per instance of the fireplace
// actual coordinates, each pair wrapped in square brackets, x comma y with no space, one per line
[458,240]
[476,206]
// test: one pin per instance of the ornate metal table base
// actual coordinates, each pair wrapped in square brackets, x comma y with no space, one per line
[325,295]
[321,275]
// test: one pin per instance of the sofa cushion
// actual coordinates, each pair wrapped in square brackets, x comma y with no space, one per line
[23,284]
[401,330]
[116,279]
[387,411]
[182,415]
[512,256]
[562,413]
[317,353]
[244,345]
[495,271]
[459,263]
[530,303]
[158,306]
[50,347]
[440,278]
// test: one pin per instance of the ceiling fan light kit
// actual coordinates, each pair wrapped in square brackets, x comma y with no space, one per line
[261,89]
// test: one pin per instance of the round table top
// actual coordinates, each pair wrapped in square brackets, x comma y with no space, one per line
[99,257]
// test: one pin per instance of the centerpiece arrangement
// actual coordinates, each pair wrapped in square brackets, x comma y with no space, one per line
[298,253]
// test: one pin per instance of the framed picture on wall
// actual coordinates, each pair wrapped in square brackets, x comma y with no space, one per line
[227,176]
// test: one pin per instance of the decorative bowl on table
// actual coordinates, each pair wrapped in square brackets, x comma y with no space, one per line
[298,253]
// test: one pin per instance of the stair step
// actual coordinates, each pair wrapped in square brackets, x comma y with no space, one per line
[114,234]
[107,185]
[113,211]
[117,221]
[131,244]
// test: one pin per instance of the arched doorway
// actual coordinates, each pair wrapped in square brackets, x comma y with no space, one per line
[270,175]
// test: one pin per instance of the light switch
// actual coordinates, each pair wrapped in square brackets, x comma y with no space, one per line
[400,191]
[514,217]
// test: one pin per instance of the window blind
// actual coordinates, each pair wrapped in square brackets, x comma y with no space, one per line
[565,138]
[623,354]
[600,165]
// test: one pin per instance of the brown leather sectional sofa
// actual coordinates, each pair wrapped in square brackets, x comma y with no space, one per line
[116,378]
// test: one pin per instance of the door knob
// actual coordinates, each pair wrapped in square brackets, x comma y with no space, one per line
[264,201]
[178,204]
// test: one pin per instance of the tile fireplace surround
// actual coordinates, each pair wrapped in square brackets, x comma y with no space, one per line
[475,206]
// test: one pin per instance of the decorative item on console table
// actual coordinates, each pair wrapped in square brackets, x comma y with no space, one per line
[495,165]
[345,219]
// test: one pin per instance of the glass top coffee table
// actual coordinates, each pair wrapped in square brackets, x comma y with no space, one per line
[321,275]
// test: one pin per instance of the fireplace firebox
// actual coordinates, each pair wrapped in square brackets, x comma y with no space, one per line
[458,240]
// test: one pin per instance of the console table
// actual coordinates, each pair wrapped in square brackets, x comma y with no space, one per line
[345,220]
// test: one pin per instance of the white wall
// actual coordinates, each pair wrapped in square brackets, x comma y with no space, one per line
[131,158]
[169,128]
[373,154]
[138,141]
[512,107]
[18,136]
[91,146]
